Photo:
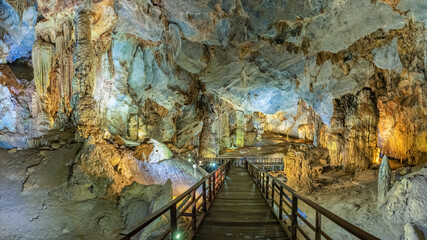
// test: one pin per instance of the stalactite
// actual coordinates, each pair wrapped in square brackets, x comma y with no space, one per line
[83,55]
[21,5]
[354,125]
[43,57]
[63,43]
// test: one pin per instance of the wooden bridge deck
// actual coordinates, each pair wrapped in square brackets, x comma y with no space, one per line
[240,212]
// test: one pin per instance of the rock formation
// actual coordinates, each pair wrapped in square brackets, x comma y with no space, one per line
[354,128]
[127,78]
[83,103]
[384,179]
[301,164]
[405,201]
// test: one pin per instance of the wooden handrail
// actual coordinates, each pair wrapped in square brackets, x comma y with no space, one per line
[262,179]
[215,180]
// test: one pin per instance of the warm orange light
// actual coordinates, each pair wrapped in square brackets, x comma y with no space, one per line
[376,156]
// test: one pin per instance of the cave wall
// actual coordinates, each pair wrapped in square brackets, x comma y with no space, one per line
[135,70]
[353,139]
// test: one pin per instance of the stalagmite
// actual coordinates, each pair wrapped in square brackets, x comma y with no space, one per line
[384,179]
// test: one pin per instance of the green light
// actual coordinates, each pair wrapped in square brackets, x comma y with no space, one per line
[177,235]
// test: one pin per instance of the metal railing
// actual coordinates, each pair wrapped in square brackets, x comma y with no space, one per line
[187,201]
[278,194]
[242,161]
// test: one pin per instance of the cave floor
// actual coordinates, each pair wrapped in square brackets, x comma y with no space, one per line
[240,212]
[30,209]
[270,146]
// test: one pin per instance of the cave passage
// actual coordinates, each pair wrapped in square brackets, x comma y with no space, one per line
[111,109]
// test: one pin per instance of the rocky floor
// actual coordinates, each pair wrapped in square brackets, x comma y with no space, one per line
[35,202]
[352,197]
[30,211]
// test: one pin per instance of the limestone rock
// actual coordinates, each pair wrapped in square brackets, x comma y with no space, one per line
[354,126]
[406,201]
[153,152]
[300,166]
[142,19]
[138,201]
[192,57]
[384,179]
[387,57]
[412,232]
[17,30]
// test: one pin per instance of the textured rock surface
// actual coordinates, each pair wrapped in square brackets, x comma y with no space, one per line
[354,128]
[405,202]
[131,77]
[17,22]
[147,62]
[301,163]
[384,179]
[138,201]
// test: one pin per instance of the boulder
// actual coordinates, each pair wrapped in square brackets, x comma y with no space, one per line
[152,152]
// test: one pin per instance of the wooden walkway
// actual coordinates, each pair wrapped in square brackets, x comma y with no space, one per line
[240,212]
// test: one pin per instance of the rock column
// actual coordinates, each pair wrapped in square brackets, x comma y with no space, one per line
[83,102]
[354,124]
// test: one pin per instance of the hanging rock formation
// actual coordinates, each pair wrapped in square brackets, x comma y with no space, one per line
[354,128]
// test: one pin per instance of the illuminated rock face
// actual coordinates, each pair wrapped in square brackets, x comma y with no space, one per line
[138,82]
[353,138]
[301,163]
[220,75]
[125,68]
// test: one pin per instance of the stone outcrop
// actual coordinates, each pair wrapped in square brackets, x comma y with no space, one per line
[138,201]
[384,179]
[143,73]
[405,202]
[152,152]
[301,163]
[354,128]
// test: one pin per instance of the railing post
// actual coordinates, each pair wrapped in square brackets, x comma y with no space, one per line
[174,222]
[210,188]
[318,226]
[262,181]
[266,187]
[214,184]
[194,211]
[205,209]
[281,203]
[294,218]
[272,192]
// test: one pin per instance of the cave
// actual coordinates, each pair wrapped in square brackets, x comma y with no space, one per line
[111,110]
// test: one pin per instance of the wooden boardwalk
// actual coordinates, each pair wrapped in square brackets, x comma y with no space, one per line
[240,212]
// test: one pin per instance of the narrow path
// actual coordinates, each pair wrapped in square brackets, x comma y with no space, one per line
[240,212]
